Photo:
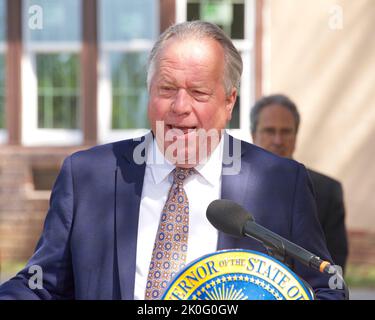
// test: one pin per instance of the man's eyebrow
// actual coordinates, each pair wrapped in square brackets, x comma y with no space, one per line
[287,129]
[268,129]
[200,84]
[166,79]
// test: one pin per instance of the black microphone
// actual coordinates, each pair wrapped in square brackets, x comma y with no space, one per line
[229,217]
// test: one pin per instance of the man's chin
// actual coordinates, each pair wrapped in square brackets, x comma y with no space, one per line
[278,152]
[185,166]
[184,159]
[187,150]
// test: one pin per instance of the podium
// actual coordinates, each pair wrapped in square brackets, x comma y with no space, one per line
[237,275]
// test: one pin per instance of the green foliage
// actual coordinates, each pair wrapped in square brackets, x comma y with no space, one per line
[9,269]
[360,276]
[2,93]
[58,90]
[129,92]
[2,20]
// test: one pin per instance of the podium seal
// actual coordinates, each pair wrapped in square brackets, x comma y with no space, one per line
[237,275]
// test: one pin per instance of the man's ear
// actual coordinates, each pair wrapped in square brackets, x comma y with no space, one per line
[230,101]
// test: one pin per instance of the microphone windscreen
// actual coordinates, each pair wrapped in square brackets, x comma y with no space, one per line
[228,216]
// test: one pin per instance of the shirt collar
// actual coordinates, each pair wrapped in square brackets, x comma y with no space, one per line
[160,167]
[211,169]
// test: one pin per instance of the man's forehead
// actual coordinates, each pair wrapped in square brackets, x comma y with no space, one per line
[191,47]
[276,111]
[276,115]
[170,78]
[198,64]
[170,74]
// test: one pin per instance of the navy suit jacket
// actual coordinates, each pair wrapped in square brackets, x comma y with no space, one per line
[331,215]
[88,246]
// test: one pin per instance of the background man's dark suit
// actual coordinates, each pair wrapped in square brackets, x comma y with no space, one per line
[331,214]
[274,126]
[89,242]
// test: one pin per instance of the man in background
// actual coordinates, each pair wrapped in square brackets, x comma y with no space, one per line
[274,127]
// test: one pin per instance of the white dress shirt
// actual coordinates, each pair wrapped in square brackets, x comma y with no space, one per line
[201,189]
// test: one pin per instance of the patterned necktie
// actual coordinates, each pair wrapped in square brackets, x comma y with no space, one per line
[170,248]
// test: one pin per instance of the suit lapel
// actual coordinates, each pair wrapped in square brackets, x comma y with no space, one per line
[231,183]
[129,183]
[236,194]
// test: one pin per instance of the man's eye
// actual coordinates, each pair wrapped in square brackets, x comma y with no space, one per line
[268,131]
[166,88]
[198,92]
[200,95]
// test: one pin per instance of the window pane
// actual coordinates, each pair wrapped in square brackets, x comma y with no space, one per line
[2,62]
[53,20]
[2,20]
[125,20]
[228,14]
[58,90]
[129,91]
[2,91]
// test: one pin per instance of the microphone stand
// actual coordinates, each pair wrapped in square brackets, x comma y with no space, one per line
[276,249]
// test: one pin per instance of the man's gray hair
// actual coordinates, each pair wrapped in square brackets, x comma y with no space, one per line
[200,30]
[274,99]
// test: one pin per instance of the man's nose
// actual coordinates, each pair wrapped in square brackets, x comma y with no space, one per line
[182,102]
[277,138]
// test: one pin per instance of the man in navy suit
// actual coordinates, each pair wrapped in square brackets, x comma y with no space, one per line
[274,127]
[106,203]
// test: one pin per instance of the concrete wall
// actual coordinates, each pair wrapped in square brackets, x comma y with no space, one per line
[322,54]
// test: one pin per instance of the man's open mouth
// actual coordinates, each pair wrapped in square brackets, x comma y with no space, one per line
[178,129]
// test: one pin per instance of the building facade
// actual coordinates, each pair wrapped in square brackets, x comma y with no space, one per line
[73,75]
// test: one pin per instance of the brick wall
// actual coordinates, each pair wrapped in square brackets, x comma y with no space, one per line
[361,247]
[22,207]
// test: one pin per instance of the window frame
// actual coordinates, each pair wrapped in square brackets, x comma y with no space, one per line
[246,47]
[3,51]
[104,123]
[31,134]
[3,131]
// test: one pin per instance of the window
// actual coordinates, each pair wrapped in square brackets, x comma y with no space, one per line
[58,94]
[228,15]
[129,95]
[51,72]
[127,31]
[237,19]
[2,89]
[2,69]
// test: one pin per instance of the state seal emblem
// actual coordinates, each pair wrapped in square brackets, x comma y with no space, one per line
[237,275]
